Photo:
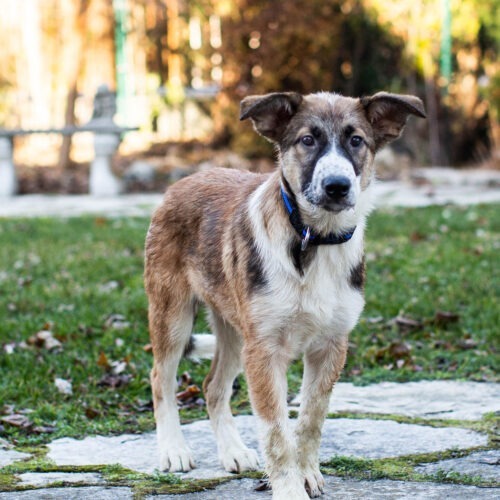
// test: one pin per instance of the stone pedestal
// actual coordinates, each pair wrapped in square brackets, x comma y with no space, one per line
[102,181]
[8,179]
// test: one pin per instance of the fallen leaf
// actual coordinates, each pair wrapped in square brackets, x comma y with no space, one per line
[109,286]
[103,362]
[407,324]
[118,367]
[7,410]
[44,339]
[374,319]
[65,307]
[144,406]
[44,429]
[100,221]
[191,392]
[116,321]
[467,344]
[114,381]
[417,236]
[442,344]
[399,350]
[17,420]
[186,379]
[91,413]
[444,318]
[24,281]
[64,386]
[9,348]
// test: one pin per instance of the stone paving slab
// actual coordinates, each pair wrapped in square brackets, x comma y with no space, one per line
[47,478]
[437,399]
[399,194]
[485,464]
[8,457]
[366,438]
[40,205]
[350,490]
[80,493]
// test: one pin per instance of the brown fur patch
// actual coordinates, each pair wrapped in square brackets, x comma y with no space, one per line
[358,275]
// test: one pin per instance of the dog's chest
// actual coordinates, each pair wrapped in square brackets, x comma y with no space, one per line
[321,302]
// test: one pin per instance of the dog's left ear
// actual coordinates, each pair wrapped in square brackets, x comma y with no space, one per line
[388,113]
[270,113]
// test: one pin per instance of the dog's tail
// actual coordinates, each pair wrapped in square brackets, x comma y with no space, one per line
[200,346]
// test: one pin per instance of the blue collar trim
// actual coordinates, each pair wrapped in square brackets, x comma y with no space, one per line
[307,236]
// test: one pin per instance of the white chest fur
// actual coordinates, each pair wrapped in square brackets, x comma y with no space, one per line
[298,308]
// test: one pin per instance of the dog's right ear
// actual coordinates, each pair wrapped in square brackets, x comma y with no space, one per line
[270,113]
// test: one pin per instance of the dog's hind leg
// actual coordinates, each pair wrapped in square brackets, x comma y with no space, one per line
[323,362]
[218,386]
[170,328]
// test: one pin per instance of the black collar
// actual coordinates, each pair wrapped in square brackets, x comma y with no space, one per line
[306,234]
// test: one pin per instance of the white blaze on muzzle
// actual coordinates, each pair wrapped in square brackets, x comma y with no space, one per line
[333,167]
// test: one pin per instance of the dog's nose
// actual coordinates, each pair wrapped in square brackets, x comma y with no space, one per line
[336,186]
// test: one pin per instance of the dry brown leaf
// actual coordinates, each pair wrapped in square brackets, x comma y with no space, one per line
[191,392]
[44,429]
[399,350]
[114,381]
[44,339]
[103,361]
[444,318]
[17,420]
[407,324]
[91,413]
[467,344]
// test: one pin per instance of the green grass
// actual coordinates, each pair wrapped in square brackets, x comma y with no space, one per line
[401,469]
[55,274]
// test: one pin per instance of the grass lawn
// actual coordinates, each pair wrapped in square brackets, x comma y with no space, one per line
[432,312]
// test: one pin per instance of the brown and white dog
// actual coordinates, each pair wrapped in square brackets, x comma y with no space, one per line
[278,261]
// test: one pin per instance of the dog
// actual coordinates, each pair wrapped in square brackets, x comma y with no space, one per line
[278,261]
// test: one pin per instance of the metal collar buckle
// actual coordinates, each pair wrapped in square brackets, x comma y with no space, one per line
[305,239]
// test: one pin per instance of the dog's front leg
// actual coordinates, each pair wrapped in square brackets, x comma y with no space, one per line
[266,368]
[323,362]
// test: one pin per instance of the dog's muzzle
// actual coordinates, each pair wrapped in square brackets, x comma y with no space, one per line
[336,193]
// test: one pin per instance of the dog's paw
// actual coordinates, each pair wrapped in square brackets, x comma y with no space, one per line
[289,493]
[177,460]
[239,459]
[314,482]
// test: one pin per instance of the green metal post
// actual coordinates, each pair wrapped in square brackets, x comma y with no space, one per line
[445,56]
[120,11]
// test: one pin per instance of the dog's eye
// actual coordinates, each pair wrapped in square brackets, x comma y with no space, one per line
[356,141]
[308,140]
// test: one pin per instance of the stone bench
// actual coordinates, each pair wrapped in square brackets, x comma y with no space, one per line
[102,181]
[107,137]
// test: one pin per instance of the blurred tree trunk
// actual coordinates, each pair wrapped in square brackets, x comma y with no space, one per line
[431,101]
[77,52]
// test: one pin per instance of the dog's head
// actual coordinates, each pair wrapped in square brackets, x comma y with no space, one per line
[327,142]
